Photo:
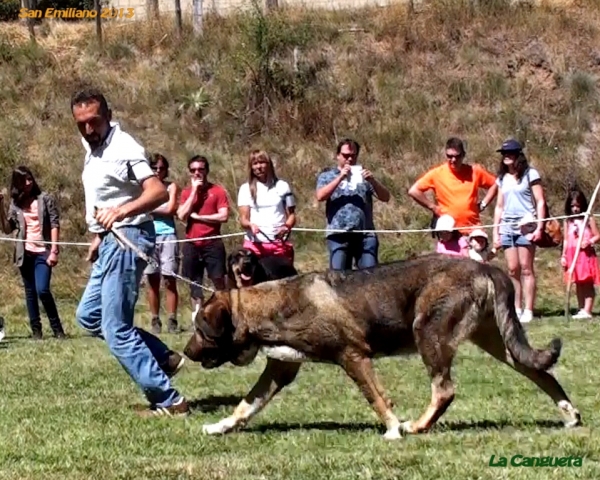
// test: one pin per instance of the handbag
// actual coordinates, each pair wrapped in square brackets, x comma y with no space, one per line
[552,235]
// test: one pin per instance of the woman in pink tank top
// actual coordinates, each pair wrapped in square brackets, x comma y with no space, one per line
[35,216]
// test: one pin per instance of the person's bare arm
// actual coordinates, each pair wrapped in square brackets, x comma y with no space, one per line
[380,190]
[220,217]
[171,206]
[153,194]
[325,192]
[421,198]
[185,209]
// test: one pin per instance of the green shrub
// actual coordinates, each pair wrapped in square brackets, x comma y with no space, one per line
[9,10]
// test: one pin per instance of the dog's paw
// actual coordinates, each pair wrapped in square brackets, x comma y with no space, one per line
[224,426]
[408,427]
[393,434]
[575,421]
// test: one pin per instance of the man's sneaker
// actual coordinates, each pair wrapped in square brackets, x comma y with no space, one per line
[2,333]
[156,325]
[173,364]
[178,409]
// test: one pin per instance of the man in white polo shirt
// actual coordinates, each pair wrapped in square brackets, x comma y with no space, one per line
[120,184]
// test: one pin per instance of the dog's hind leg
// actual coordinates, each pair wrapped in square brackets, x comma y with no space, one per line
[274,378]
[491,342]
[437,354]
[360,369]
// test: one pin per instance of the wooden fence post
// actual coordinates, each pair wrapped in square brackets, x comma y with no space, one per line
[98,9]
[178,20]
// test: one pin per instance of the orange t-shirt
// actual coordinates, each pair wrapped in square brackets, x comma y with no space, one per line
[457,193]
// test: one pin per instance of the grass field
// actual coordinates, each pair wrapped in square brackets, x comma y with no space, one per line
[67,413]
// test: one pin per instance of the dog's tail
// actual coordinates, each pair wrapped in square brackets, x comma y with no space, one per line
[503,295]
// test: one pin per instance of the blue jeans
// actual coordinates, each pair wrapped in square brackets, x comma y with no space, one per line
[107,308]
[36,274]
[345,247]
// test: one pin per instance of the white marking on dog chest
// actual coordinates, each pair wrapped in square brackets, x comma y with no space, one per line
[285,354]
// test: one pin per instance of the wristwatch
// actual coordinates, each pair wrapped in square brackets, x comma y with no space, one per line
[482,206]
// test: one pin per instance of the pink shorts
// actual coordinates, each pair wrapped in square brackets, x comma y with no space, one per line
[278,249]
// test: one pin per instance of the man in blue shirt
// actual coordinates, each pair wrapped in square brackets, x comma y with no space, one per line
[348,191]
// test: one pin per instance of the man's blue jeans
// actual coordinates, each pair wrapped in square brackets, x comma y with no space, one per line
[345,247]
[107,309]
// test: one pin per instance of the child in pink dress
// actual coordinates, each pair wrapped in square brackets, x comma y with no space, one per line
[450,241]
[585,274]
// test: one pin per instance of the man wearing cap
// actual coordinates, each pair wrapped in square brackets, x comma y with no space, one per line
[456,188]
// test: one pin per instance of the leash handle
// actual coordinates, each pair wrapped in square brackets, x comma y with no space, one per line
[274,240]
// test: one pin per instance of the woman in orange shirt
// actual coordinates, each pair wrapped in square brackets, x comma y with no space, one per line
[34,215]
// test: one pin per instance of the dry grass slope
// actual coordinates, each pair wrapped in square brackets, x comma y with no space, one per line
[400,82]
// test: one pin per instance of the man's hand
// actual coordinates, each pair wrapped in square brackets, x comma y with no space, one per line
[92,255]
[197,183]
[345,171]
[367,175]
[108,216]
[52,259]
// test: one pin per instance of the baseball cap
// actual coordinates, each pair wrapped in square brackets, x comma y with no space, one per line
[510,145]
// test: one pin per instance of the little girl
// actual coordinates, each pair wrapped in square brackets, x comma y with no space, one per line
[479,247]
[585,274]
[450,241]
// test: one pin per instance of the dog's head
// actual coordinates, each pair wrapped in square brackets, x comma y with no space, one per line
[216,340]
[242,266]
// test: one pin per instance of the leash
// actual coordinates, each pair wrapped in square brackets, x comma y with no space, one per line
[125,242]
[275,240]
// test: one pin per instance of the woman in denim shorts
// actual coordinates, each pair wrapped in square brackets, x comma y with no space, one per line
[520,204]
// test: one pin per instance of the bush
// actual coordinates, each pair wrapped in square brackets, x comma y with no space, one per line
[9,10]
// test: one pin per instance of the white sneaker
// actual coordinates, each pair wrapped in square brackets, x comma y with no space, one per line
[2,334]
[526,316]
[582,315]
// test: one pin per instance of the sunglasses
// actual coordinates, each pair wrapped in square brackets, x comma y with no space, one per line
[194,170]
[453,156]
[348,155]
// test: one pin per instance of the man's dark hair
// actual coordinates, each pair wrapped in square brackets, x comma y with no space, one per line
[348,141]
[456,144]
[90,95]
[201,159]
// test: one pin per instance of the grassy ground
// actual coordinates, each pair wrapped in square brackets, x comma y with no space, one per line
[400,82]
[67,414]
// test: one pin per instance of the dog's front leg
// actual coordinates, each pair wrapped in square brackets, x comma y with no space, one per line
[360,369]
[274,378]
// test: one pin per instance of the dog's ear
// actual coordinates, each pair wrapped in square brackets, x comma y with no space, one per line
[216,317]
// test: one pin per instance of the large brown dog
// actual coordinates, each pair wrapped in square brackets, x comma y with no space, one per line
[429,304]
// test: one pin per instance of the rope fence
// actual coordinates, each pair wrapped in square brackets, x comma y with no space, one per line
[307,229]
